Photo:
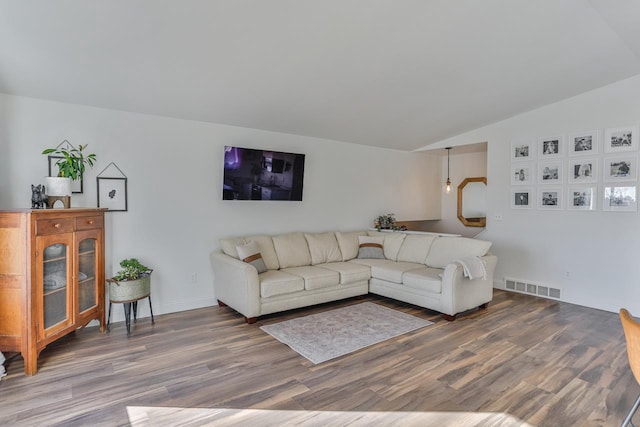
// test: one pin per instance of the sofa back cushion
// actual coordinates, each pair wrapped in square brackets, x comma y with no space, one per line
[415,248]
[348,243]
[323,248]
[445,250]
[265,244]
[228,246]
[392,243]
[292,250]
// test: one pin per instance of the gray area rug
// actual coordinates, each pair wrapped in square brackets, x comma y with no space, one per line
[325,336]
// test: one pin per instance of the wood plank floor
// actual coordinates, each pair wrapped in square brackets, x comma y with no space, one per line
[523,361]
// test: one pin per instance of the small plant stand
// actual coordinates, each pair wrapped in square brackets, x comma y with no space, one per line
[128,292]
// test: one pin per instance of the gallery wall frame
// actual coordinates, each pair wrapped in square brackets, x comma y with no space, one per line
[622,198]
[549,198]
[522,173]
[620,168]
[581,198]
[582,170]
[583,143]
[522,150]
[621,139]
[550,172]
[550,147]
[522,198]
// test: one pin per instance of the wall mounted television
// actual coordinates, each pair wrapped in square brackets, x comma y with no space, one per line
[251,174]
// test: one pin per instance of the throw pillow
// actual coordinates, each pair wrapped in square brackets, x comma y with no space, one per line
[250,254]
[371,247]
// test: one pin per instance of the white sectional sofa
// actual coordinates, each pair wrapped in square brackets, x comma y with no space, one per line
[303,269]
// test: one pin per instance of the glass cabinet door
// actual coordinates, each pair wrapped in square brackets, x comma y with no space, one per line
[87,296]
[54,272]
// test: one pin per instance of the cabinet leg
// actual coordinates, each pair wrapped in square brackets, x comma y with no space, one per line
[30,362]
[151,310]
[127,316]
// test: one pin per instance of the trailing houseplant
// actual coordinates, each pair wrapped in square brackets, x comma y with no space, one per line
[71,163]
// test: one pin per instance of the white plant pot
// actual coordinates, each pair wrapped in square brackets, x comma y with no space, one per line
[57,186]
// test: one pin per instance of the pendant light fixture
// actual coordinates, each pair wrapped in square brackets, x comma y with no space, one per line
[447,188]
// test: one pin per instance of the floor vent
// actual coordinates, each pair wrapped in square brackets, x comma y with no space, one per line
[521,286]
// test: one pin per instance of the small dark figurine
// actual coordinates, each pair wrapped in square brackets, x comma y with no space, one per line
[38,197]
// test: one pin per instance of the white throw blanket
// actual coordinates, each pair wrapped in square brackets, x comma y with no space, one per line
[473,267]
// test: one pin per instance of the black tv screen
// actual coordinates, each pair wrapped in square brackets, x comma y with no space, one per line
[251,174]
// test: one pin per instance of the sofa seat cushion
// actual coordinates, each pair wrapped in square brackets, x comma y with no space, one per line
[275,282]
[371,261]
[424,279]
[315,277]
[393,271]
[349,272]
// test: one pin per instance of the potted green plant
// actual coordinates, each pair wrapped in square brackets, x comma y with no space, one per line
[71,164]
[131,283]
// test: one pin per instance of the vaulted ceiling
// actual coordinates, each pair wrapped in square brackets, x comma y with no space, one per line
[401,74]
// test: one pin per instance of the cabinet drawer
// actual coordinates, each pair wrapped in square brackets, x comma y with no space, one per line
[89,222]
[52,226]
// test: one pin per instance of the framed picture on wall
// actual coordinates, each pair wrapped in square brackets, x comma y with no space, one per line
[112,194]
[620,168]
[550,172]
[583,170]
[621,139]
[581,198]
[620,198]
[583,143]
[522,149]
[522,173]
[76,185]
[550,147]
[550,198]
[521,198]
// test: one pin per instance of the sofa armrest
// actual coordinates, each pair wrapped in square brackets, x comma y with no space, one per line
[236,284]
[459,293]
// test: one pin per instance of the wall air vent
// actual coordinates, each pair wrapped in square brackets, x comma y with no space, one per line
[530,288]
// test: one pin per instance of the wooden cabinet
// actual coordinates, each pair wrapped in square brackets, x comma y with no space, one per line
[51,277]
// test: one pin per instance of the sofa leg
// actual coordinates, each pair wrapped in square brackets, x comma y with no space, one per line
[221,304]
[251,320]
[449,317]
[483,306]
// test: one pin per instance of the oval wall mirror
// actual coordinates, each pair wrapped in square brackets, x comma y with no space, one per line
[472,202]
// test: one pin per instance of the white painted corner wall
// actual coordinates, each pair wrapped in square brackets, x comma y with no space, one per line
[592,256]
[174,168]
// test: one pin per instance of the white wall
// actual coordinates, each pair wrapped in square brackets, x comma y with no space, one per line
[599,250]
[176,212]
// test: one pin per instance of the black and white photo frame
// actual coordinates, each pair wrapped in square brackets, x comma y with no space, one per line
[522,150]
[522,173]
[522,198]
[112,190]
[581,198]
[550,172]
[620,168]
[550,147]
[549,198]
[582,170]
[583,143]
[621,139]
[622,198]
